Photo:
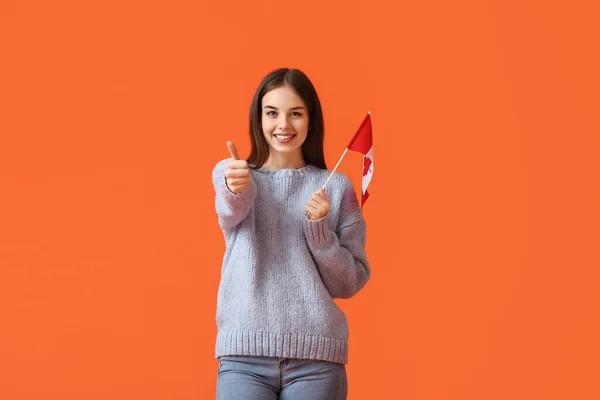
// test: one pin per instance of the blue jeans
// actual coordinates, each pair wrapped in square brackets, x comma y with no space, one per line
[264,378]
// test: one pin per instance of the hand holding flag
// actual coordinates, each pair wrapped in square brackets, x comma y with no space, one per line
[318,205]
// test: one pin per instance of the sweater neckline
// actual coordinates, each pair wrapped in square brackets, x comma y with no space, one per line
[286,171]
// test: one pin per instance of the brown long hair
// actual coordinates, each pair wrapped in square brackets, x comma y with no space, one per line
[312,148]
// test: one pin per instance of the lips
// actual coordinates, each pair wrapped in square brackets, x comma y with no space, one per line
[284,138]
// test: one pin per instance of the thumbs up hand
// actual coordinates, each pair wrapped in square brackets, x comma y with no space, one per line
[237,173]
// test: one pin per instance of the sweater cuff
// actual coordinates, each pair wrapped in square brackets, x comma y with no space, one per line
[242,196]
[317,231]
[228,190]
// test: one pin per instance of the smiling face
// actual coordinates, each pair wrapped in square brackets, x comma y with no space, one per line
[284,123]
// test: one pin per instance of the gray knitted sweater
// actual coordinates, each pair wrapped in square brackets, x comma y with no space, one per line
[281,271]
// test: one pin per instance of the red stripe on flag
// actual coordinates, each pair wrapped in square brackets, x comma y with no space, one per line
[363,138]
[365,196]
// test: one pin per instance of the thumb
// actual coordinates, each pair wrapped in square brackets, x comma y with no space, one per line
[233,151]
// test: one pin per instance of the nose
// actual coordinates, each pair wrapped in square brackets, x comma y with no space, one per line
[282,123]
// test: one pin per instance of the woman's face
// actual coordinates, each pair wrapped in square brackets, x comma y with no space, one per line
[284,121]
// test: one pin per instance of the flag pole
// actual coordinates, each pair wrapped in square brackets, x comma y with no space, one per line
[336,165]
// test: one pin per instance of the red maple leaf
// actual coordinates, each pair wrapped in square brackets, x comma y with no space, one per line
[366,165]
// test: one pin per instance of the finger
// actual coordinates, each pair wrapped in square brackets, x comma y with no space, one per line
[323,194]
[233,150]
[314,204]
[237,164]
[310,212]
[238,181]
[324,202]
[321,208]
[236,187]
[237,173]
[316,197]
[311,206]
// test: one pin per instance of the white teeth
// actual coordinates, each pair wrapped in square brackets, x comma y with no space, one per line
[283,136]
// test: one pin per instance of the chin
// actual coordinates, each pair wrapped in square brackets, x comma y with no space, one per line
[285,149]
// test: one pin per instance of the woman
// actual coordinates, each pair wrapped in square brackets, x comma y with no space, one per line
[291,248]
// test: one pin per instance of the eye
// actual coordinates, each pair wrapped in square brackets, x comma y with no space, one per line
[296,114]
[270,113]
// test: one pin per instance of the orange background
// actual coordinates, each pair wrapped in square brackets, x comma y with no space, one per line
[483,221]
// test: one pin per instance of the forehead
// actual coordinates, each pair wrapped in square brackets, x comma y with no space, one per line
[284,96]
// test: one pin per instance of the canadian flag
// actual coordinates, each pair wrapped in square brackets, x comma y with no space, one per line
[362,142]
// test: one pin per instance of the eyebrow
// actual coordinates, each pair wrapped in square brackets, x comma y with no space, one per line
[293,108]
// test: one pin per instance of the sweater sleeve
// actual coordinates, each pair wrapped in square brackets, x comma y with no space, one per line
[340,256]
[231,207]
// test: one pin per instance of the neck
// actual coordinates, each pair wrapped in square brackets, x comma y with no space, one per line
[281,161]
